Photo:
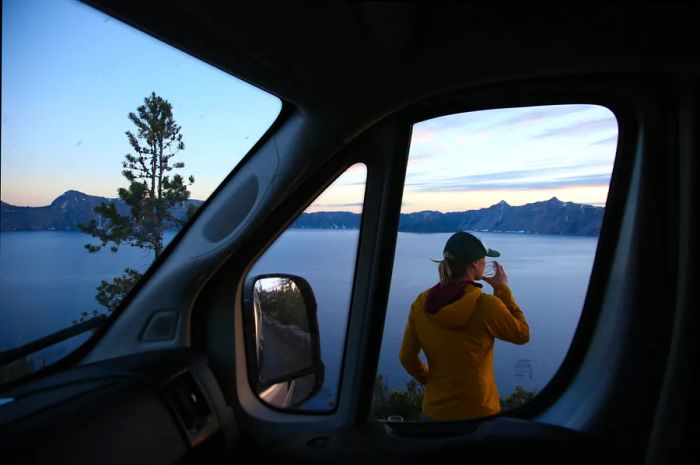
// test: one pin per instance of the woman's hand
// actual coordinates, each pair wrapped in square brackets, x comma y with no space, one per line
[500,279]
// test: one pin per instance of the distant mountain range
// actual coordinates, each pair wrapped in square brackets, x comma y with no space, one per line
[65,213]
[548,217]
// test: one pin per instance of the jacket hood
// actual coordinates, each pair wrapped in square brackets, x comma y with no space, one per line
[457,312]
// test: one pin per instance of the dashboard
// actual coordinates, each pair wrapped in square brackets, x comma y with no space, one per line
[156,407]
[166,407]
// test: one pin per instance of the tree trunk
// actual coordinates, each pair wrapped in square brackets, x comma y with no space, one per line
[158,246]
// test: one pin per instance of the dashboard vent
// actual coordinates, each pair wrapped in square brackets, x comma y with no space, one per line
[190,405]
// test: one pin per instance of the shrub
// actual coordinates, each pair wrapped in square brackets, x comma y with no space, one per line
[408,403]
[517,398]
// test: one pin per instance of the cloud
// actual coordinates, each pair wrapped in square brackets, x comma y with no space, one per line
[519,180]
[422,134]
[537,114]
[580,128]
[498,118]
[436,126]
[606,141]
[420,158]
[497,121]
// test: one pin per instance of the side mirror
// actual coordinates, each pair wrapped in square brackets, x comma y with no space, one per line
[283,351]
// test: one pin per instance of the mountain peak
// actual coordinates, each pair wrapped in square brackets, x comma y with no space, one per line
[68,196]
[500,204]
[71,194]
[554,200]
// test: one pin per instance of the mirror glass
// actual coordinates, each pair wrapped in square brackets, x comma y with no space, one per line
[282,331]
[290,394]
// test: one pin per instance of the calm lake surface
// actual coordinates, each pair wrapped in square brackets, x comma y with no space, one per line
[47,279]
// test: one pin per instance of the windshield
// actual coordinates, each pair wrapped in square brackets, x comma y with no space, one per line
[111,140]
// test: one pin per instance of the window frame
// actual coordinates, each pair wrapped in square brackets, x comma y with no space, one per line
[623,103]
[628,124]
[339,171]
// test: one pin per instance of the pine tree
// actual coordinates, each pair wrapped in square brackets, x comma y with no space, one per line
[151,194]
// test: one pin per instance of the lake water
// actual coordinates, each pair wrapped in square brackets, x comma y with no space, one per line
[549,277]
[47,279]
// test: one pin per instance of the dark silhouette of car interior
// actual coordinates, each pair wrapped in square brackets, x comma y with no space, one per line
[163,380]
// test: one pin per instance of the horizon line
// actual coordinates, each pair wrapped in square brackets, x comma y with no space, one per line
[329,211]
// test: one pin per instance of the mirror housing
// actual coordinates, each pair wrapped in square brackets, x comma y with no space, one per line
[282,341]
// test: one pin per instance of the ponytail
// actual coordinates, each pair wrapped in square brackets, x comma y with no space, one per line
[450,271]
[444,272]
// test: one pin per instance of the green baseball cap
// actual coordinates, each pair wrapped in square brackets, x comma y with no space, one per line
[464,248]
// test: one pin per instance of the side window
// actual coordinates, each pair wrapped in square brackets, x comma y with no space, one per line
[111,139]
[529,183]
[320,247]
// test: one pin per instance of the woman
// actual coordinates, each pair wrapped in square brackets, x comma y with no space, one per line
[455,324]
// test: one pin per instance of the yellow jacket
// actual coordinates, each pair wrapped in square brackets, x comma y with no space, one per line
[458,342]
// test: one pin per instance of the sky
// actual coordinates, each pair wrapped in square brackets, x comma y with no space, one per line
[71,75]
[521,155]
[473,160]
